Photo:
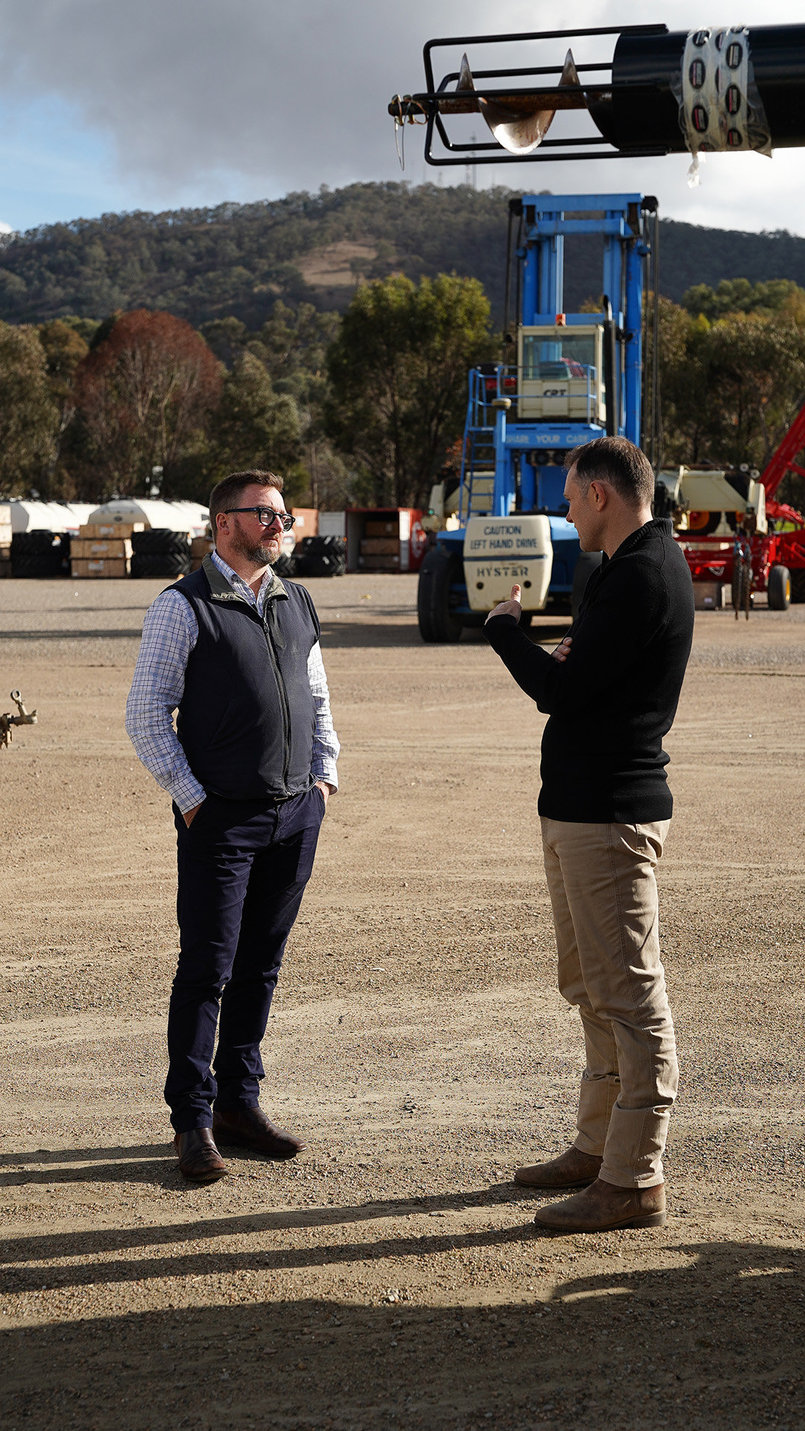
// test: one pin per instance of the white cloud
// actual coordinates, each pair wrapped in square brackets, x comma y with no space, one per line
[197,101]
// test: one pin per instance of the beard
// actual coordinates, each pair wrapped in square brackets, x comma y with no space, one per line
[256,551]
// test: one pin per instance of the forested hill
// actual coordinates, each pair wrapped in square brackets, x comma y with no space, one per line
[202,264]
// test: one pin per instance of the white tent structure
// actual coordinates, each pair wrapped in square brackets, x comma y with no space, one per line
[48,516]
[186,517]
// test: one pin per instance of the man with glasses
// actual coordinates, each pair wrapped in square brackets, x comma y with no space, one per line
[250,766]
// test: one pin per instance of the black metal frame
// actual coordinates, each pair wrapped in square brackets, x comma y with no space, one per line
[431,102]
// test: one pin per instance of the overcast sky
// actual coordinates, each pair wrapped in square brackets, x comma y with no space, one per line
[110,105]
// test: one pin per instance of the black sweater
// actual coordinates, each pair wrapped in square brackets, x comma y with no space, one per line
[613,700]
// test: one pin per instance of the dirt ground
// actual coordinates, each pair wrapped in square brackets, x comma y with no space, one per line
[392,1276]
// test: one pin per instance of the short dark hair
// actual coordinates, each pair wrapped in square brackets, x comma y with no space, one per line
[615,460]
[230,489]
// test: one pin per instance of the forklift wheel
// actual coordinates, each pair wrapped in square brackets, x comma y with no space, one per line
[438,575]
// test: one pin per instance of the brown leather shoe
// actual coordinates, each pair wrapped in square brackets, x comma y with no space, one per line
[199,1159]
[603,1206]
[250,1128]
[572,1169]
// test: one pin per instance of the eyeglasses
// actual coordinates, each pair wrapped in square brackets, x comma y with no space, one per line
[266,516]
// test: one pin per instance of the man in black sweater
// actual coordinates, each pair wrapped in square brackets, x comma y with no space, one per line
[610,692]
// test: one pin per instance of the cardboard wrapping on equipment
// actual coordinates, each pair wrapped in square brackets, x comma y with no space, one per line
[106,547]
[100,566]
[98,530]
[201,547]
[380,546]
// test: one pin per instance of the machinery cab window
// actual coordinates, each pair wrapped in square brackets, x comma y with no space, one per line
[561,374]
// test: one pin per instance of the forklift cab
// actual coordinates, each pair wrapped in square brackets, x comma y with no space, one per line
[560,374]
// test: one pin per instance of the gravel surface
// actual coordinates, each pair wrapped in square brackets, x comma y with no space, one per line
[393,1276]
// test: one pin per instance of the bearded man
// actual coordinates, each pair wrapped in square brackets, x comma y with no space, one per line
[250,766]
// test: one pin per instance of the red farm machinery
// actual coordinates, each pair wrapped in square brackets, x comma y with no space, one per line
[735,535]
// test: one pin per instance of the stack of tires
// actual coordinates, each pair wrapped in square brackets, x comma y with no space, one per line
[40,553]
[158,551]
[320,556]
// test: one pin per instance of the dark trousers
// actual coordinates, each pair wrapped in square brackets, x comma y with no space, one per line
[242,868]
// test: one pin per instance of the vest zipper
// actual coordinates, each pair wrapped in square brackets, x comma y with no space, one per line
[286,715]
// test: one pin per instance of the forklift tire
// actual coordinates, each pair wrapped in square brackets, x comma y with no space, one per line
[779,588]
[437,623]
[798,585]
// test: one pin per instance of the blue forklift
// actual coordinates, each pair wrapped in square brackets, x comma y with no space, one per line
[566,378]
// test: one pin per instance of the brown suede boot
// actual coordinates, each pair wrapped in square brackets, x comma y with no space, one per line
[603,1206]
[572,1169]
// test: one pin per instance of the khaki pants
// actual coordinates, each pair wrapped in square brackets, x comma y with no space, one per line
[604,896]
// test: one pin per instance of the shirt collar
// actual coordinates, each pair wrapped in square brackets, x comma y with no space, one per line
[241,586]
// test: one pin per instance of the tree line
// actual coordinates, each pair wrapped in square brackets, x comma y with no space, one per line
[364,408]
[238,259]
[352,410]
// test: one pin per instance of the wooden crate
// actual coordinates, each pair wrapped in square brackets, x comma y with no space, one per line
[380,546]
[100,566]
[381,563]
[110,528]
[375,528]
[83,547]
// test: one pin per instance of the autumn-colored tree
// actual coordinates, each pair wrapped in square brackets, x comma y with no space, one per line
[144,394]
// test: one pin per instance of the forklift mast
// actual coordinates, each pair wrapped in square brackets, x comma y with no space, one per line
[566,379]
[538,227]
